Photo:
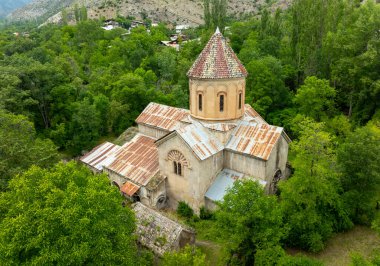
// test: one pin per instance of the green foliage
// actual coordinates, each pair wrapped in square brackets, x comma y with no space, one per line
[20,147]
[215,13]
[315,98]
[79,83]
[205,214]
[265,85]
[184,210]
[249,221]
[354,48]
[299,261]
[358,159]
[358,260]
[64,216]
[310,198]
[187,256]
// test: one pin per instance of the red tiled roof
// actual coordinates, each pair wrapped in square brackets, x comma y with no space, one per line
[161,116]
[137,160]
[217,61]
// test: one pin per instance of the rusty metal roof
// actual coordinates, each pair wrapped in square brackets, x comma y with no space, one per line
[254,139]
[137,160]
[223,127]
[250,114]
[162,116]
[129,188]
[201,142]
[217,60]
[101,155]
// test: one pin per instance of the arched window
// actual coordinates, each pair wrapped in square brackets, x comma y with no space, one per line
[240,98]
[179,169]
[175,167]
[200,102]
[179,161]
[221,103]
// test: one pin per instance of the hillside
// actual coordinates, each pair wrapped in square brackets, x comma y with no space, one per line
[174,11]
[7,6]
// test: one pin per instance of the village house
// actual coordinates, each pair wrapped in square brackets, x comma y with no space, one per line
[195,155]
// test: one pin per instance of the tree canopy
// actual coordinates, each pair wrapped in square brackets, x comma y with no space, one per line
[64,216]
[250,220]
[20,147]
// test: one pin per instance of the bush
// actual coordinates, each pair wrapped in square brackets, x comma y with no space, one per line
[205,214]
[299,261]
[184,210]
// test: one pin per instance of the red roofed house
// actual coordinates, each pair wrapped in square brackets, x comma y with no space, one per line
[195,155]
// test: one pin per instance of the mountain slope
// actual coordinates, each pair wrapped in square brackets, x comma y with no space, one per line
[7,6]
[174,11]
[39,8]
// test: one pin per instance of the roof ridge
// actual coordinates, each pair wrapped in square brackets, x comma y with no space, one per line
[217,61]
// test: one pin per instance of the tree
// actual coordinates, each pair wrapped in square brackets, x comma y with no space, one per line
[207,13]
[84,127]
[20,147]
[215,13]
[249,221]
[310,199]
[188,256]
[316,98]
[358,159]
[65,216]
[265,85]
[355,60]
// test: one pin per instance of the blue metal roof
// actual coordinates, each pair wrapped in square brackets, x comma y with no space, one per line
[224,180]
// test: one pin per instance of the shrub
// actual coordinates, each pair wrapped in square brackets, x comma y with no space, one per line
[184,210]
[205,214]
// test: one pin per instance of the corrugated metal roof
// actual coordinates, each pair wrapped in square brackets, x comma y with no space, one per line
[217,60]
[223,181]
[162,116]
[137,160]
[201,142]
[102,155]
[129,188]
[252,115]
[254,139]
[223,127]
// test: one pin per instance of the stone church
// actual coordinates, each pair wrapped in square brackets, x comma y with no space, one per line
[196,155]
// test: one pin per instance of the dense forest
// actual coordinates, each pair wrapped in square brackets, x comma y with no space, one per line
[314,69]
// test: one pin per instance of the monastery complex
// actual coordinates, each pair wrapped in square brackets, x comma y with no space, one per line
[196,155]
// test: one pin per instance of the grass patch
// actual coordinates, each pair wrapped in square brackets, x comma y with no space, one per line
[212,251]
[360,239]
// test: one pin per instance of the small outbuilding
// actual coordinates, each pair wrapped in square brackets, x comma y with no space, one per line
[159,233]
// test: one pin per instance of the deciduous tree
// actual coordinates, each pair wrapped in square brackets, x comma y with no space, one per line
[20,147]
[65,216]
[310,199]
[249,221]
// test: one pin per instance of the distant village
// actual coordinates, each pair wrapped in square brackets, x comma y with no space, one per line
[175,39]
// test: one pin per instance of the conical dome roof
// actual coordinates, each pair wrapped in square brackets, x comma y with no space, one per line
[217,61]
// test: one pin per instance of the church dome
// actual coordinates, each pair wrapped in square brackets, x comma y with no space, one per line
[217,61]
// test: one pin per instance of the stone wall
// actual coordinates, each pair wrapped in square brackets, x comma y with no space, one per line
[195,180]
[210,91]
[152,131]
